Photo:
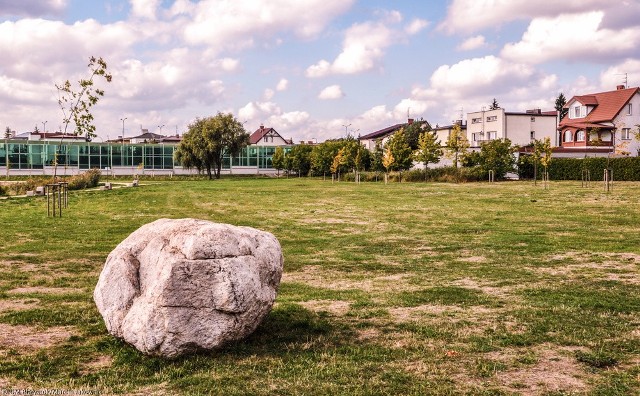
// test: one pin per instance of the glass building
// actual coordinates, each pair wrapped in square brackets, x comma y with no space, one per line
[39,157]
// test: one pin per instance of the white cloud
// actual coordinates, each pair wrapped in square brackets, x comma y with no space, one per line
[472,43]
[268,94]
[616,74]
[32,8]
[236,24]
[556,38]
[331,92]
[145,9]
[363,47]
[283,84]
[466,16]
[416,26]
[227,64]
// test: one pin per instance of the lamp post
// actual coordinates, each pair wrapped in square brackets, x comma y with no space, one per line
[346,129]
[44,126]
[160,126]
[122,155]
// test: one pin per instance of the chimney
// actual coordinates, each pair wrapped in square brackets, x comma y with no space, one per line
[619,87]
[261,127]
[410,121]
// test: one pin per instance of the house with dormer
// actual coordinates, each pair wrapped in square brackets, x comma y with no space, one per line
[268,137]
[601,123]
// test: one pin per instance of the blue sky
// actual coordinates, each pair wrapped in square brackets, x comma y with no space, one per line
[308,67]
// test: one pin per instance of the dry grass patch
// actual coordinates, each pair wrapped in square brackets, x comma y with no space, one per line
[334,307]
[17,305]
[317,276]
[31,338]
[101,362]
[44,290]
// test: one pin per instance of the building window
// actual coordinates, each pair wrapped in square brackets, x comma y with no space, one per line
[576,111]
[568,136]
[629,109]
[533,135]
[626,134]
[492,118]
[476,120]
[492,135]
[580,136]
[477,136]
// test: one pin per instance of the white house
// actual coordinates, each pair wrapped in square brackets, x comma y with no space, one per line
[520,128]
[268,137]
[601,123]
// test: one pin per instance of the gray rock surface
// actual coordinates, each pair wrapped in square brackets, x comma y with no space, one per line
[177,286]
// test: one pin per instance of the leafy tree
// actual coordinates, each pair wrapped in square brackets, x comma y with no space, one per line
[413,131]
[208,140]
[457,144]
[278,159]
[337,162]
[560,102]
[301,158]
[376,158]
[402,153]
[76,103]
[497,156]
[494,105]
[387,159]
[546,151]
[7,133]
[323,154]
[429,150]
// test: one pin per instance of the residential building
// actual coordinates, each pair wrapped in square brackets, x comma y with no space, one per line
[268,137]
[369,140]
[602,123]
[443,132]
[520,128]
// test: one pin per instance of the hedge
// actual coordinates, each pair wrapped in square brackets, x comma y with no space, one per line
[624,168]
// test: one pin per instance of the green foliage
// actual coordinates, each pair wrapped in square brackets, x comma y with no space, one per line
[300,157]
[7,132]
[377,157]
[624,168]
[599,359]
[278,159]
[208,140]
[413,131]
[457,145]
[494,105]
[429,149]
[498,155]
[560,102]
[88,179]
[76,103]
[400,156]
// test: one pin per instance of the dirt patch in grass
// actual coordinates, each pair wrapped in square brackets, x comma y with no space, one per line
[554,369]
[334,307]
[99,363]
[317,276]
[622,267]
[474,259]
[499,292]
[25,337]
[17,305]
[43,290]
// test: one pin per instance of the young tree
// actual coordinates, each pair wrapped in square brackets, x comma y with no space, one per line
[208,140]
[429,150]
[413,131]
[376,158]
[402,153]
[277,160]
[560,102]
[301,158]
[497,156]
[388,162]
[494,105]
[337,162]
[457,144]
[546,151]
[76,103]
[7,133]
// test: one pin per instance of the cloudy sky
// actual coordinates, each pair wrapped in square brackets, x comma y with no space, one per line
[308,68]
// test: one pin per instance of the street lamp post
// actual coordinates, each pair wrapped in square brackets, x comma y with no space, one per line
[44,126]
[160,126]
[123,156]
[346,129]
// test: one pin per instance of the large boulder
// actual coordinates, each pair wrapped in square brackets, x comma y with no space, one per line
[177,286]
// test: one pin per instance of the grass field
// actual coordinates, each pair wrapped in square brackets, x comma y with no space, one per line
[388,289]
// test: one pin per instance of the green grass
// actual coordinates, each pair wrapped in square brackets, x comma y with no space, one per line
[392,289]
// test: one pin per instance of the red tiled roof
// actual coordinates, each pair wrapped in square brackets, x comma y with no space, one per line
[607,106]
[259,134]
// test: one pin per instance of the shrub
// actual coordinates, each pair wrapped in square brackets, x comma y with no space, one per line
[88,179]
[624,168]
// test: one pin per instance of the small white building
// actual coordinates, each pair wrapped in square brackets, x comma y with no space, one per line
[268,137]
[520,128]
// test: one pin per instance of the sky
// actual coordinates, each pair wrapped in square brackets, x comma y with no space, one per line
[311,69]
